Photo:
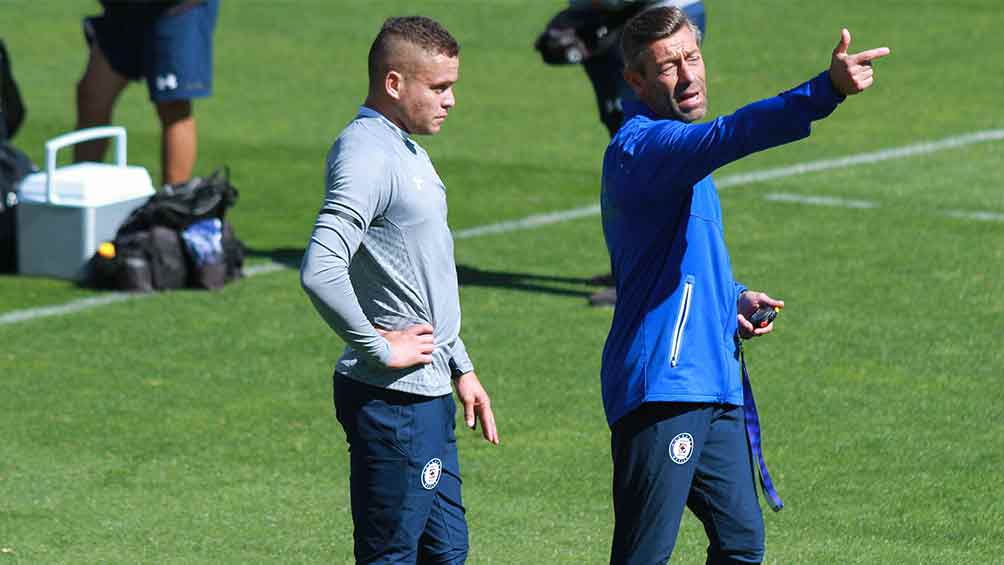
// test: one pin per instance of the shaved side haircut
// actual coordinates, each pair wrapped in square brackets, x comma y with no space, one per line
[420,31]
[650,26]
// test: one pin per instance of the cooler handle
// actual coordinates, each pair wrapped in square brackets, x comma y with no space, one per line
[73,138]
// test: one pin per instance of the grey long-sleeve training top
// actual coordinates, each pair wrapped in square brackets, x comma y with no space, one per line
[381,254]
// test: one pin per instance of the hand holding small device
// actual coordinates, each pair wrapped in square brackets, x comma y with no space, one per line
[764,316]
[757,312]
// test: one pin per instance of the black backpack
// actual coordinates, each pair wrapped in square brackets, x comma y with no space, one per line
[150,249]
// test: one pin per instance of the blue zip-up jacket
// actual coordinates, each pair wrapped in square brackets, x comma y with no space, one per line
[673,336]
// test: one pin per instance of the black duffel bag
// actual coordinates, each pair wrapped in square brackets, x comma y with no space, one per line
[179,238]
[181,205]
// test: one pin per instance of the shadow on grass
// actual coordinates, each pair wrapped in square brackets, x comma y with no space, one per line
[468,275]
[287,256]
[527,282]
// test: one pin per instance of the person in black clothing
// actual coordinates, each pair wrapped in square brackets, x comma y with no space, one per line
[14,164]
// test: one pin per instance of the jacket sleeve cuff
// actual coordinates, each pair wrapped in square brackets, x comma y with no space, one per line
[738,288]
[824,92]
[381,351]
[460,362]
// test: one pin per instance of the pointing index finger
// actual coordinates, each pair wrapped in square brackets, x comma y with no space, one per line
[865,57]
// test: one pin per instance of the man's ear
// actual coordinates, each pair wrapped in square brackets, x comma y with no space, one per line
[635,80]
[392,83]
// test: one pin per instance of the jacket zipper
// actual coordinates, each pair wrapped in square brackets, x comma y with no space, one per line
[681,321]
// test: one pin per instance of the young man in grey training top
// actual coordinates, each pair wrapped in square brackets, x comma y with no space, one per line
[379,269]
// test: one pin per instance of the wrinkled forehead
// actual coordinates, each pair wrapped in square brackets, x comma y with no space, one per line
[679,44]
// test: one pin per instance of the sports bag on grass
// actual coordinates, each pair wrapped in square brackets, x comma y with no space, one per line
[180,205]
[178,239]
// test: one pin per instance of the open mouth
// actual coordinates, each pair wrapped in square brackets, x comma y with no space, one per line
[689,100]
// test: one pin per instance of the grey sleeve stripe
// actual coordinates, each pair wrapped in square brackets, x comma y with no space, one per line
[344,215]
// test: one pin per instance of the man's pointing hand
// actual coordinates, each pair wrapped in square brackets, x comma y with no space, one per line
[852,73]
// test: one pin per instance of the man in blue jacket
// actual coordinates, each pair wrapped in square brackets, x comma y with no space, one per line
[684,429]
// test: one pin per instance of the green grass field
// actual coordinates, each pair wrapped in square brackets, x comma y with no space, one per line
[194,427]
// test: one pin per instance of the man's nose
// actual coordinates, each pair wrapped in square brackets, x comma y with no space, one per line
[686,73]
[449,100]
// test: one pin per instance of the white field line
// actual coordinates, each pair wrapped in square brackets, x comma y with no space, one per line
[528,222]
[67,308]
[921,148]
[110,298]
[819,200]
[975,215]
[538,220]
[903,152]
[815,200]
[263,268]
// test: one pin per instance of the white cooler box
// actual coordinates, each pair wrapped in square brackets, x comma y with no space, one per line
[66,213]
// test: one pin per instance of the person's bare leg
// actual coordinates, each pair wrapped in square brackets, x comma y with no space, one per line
[97,92]
[178,141]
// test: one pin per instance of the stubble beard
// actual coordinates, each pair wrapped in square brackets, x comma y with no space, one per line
[694,114]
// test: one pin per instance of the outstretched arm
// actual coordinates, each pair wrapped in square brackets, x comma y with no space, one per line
[694,151]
